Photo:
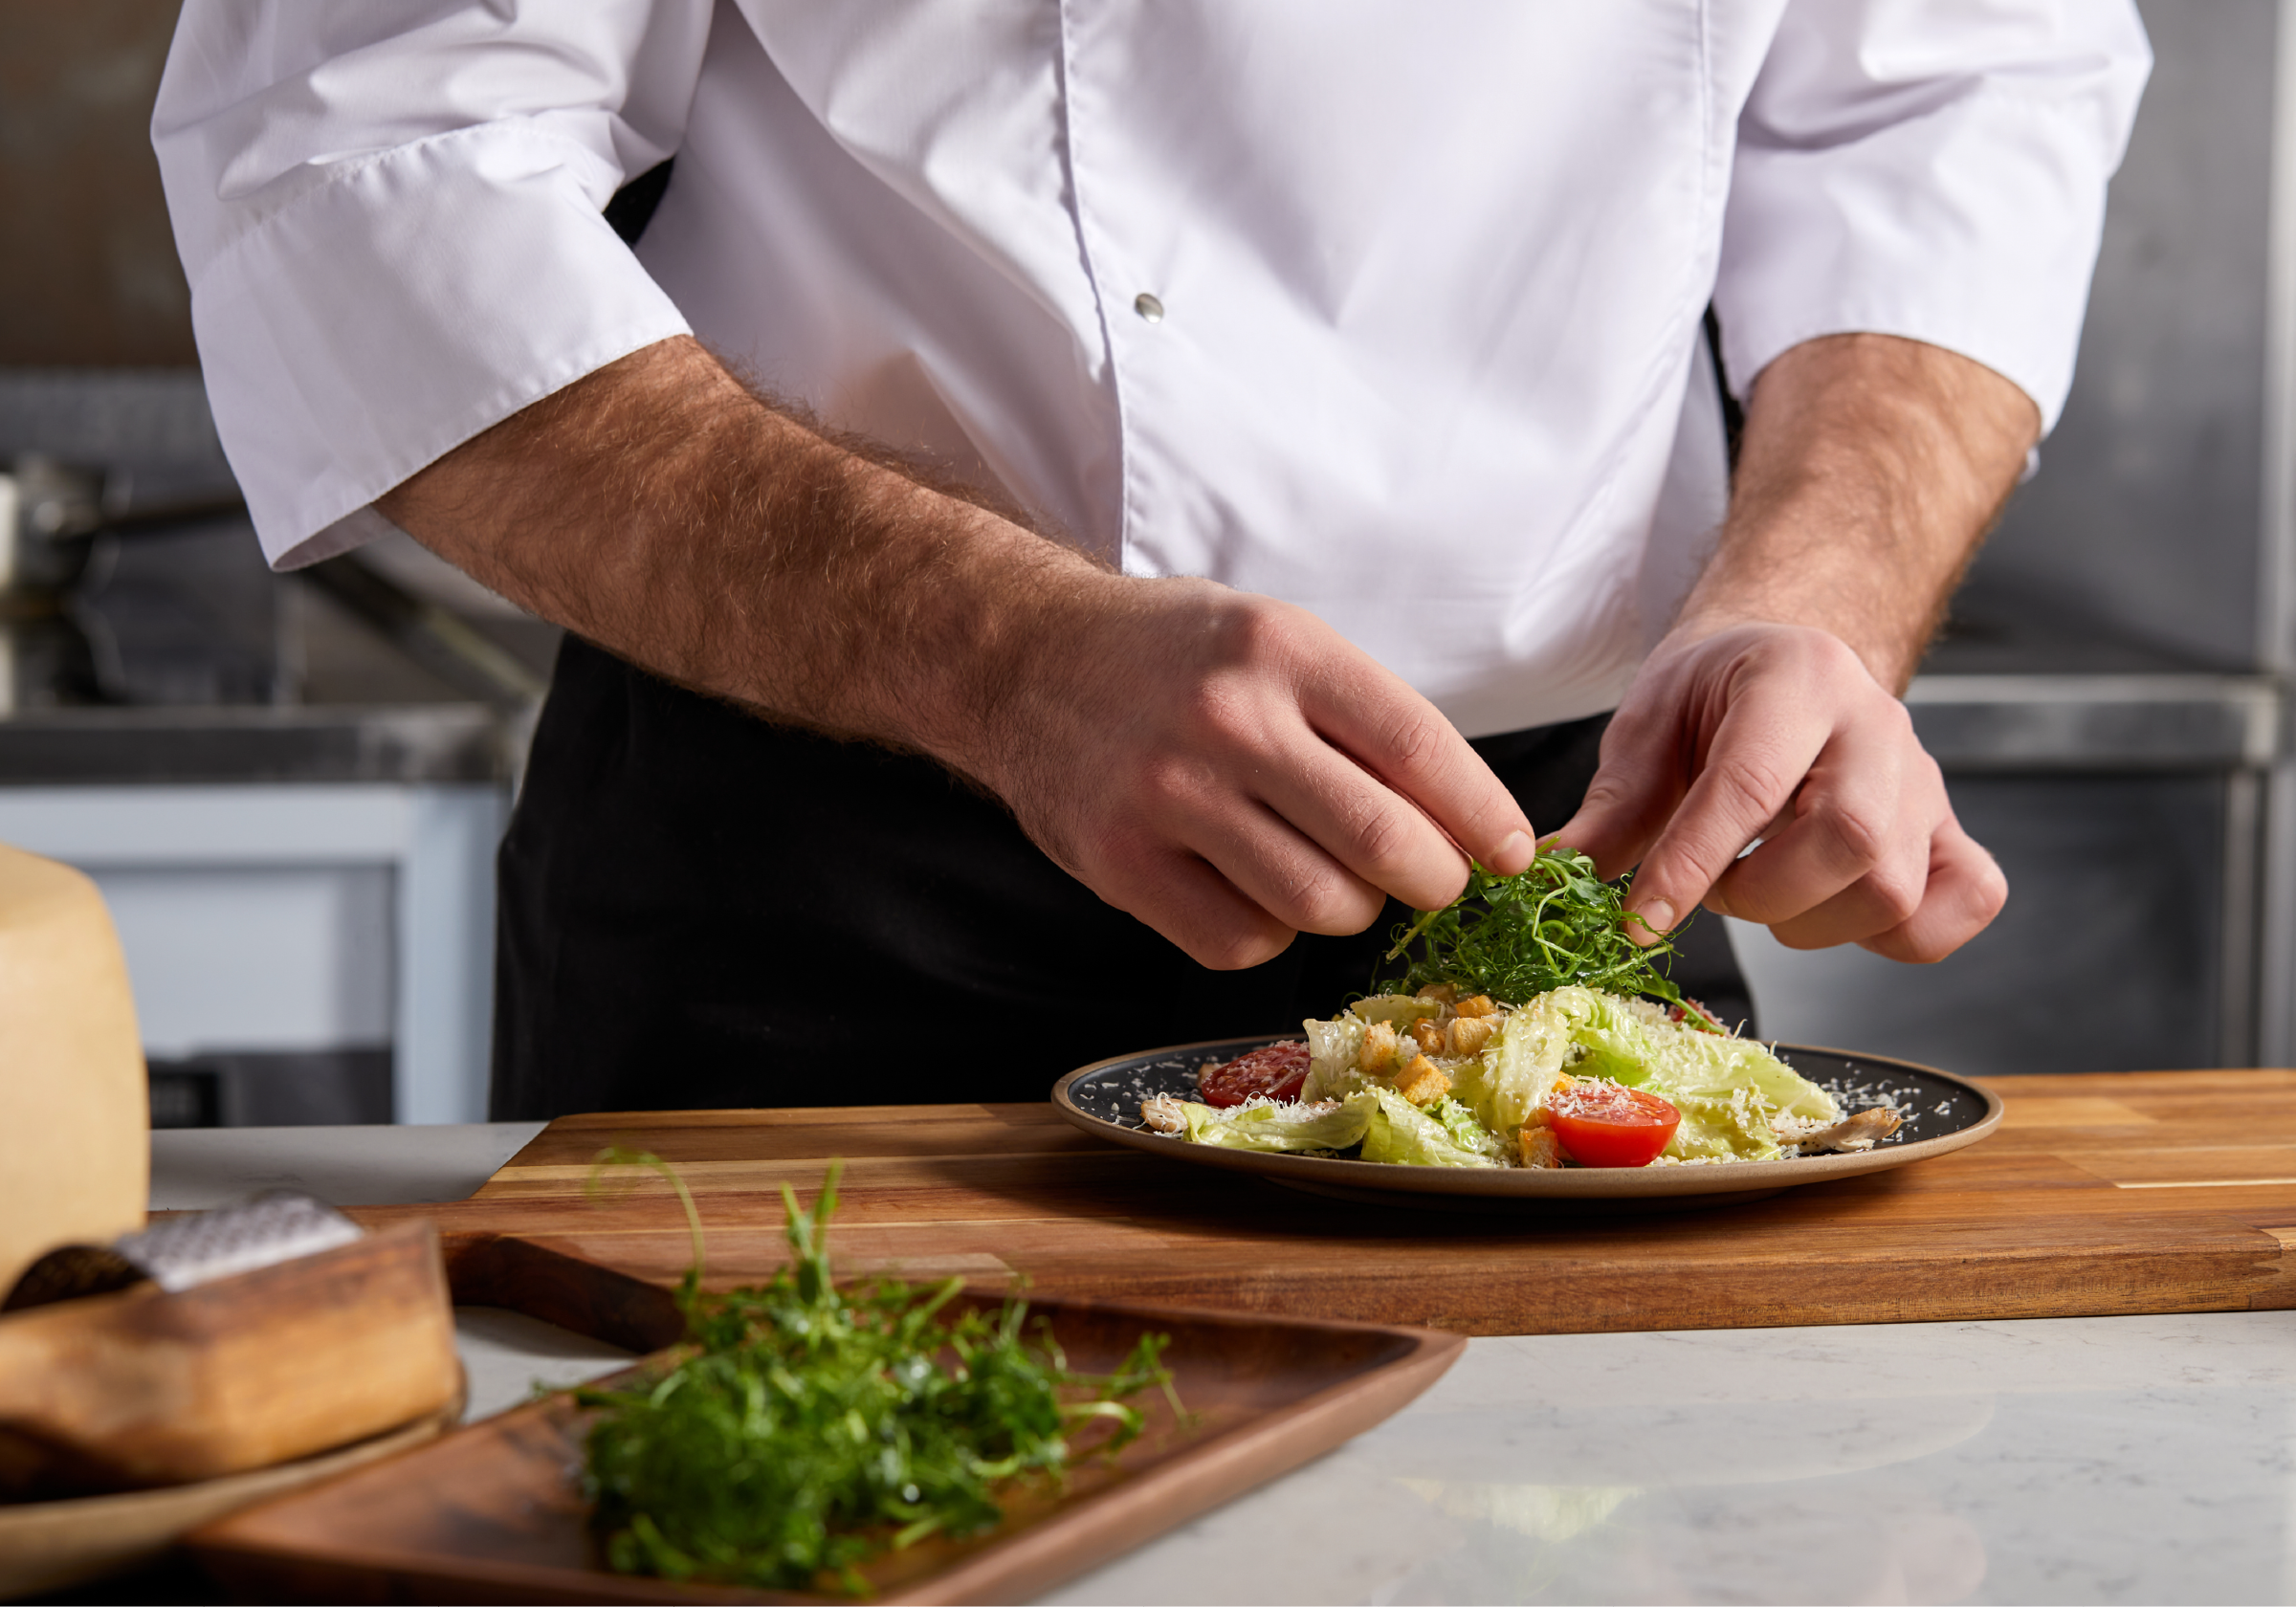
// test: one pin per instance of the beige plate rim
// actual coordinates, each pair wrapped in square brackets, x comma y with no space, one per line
[1517,1183]
[49,1545]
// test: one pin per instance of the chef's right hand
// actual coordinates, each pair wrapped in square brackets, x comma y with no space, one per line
[1231,771]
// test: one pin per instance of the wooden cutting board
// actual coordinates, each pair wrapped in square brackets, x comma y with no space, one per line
[492,1515]
[2101,1194]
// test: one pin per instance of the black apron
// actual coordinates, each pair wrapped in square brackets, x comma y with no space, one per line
[698,909]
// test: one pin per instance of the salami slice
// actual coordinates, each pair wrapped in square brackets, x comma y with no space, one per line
[1276,1071]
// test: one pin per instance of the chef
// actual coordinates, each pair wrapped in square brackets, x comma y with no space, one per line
[1073,515]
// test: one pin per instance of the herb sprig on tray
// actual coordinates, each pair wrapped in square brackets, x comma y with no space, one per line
[1556,924]
[810,1429]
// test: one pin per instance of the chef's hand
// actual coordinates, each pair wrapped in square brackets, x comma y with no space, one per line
[1870,470]
[1223,766]
[1231,771]
[1778,733]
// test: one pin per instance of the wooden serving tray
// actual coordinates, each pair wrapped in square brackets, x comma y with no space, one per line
[493,1514]
[2129,1192]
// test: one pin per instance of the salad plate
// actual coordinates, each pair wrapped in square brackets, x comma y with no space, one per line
[1940,1113]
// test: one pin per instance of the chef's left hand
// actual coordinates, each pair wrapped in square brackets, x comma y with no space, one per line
[1870,470]
[1778,732]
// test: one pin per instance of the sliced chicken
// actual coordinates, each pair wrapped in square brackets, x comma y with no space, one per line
[1861,1131]
[1163,1115]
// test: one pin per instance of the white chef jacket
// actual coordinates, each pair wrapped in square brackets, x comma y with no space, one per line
[1430,276]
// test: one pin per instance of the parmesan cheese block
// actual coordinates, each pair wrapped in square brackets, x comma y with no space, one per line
[74,1105]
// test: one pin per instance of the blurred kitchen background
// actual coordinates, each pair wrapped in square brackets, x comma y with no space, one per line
[289,787]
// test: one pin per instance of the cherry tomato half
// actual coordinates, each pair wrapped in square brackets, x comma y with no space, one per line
[1277,1071]
[1600,1124]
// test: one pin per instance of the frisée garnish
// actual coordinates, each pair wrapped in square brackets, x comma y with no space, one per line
[1554,924]
[805,1429]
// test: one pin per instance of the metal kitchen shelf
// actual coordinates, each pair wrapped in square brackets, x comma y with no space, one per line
[2074,723]
[423,744]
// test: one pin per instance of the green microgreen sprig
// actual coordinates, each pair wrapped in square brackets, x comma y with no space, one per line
[810,1428]
[1556,924]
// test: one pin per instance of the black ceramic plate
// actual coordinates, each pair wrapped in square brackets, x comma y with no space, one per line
[1942,1113]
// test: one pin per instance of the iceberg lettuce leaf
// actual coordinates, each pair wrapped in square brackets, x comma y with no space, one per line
[1722,1127]
[1466,1132]
[1395,1009]
[1512,1077]
[1404,1135]
[1333,1046]
[1281,1127]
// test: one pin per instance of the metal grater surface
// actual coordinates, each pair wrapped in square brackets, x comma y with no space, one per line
[278,1225]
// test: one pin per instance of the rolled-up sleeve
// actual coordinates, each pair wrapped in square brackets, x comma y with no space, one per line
[1934,170]
[390,219]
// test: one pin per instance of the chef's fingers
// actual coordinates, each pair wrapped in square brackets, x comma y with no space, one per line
[1966,890]
[1290,874]
[1853,855]
[1194,906]
[1379,723]
[1762,750]
[1373,834]
[1636,786]
[1312,838]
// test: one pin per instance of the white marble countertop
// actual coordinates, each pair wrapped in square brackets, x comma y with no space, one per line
[2108,1459]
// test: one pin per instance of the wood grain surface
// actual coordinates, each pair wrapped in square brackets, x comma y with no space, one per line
[492,1513]
[143,1387]
[2101,1194]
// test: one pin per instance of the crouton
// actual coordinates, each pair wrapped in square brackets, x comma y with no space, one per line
[1481,1005]
[1469,1034]
[1442,993]
[1422,1082]
[1540,1145]
[1427,1036]
[1382,1051]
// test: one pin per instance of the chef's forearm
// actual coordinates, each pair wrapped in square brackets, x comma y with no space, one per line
[660,509]
[1870,469]
[1226,767]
